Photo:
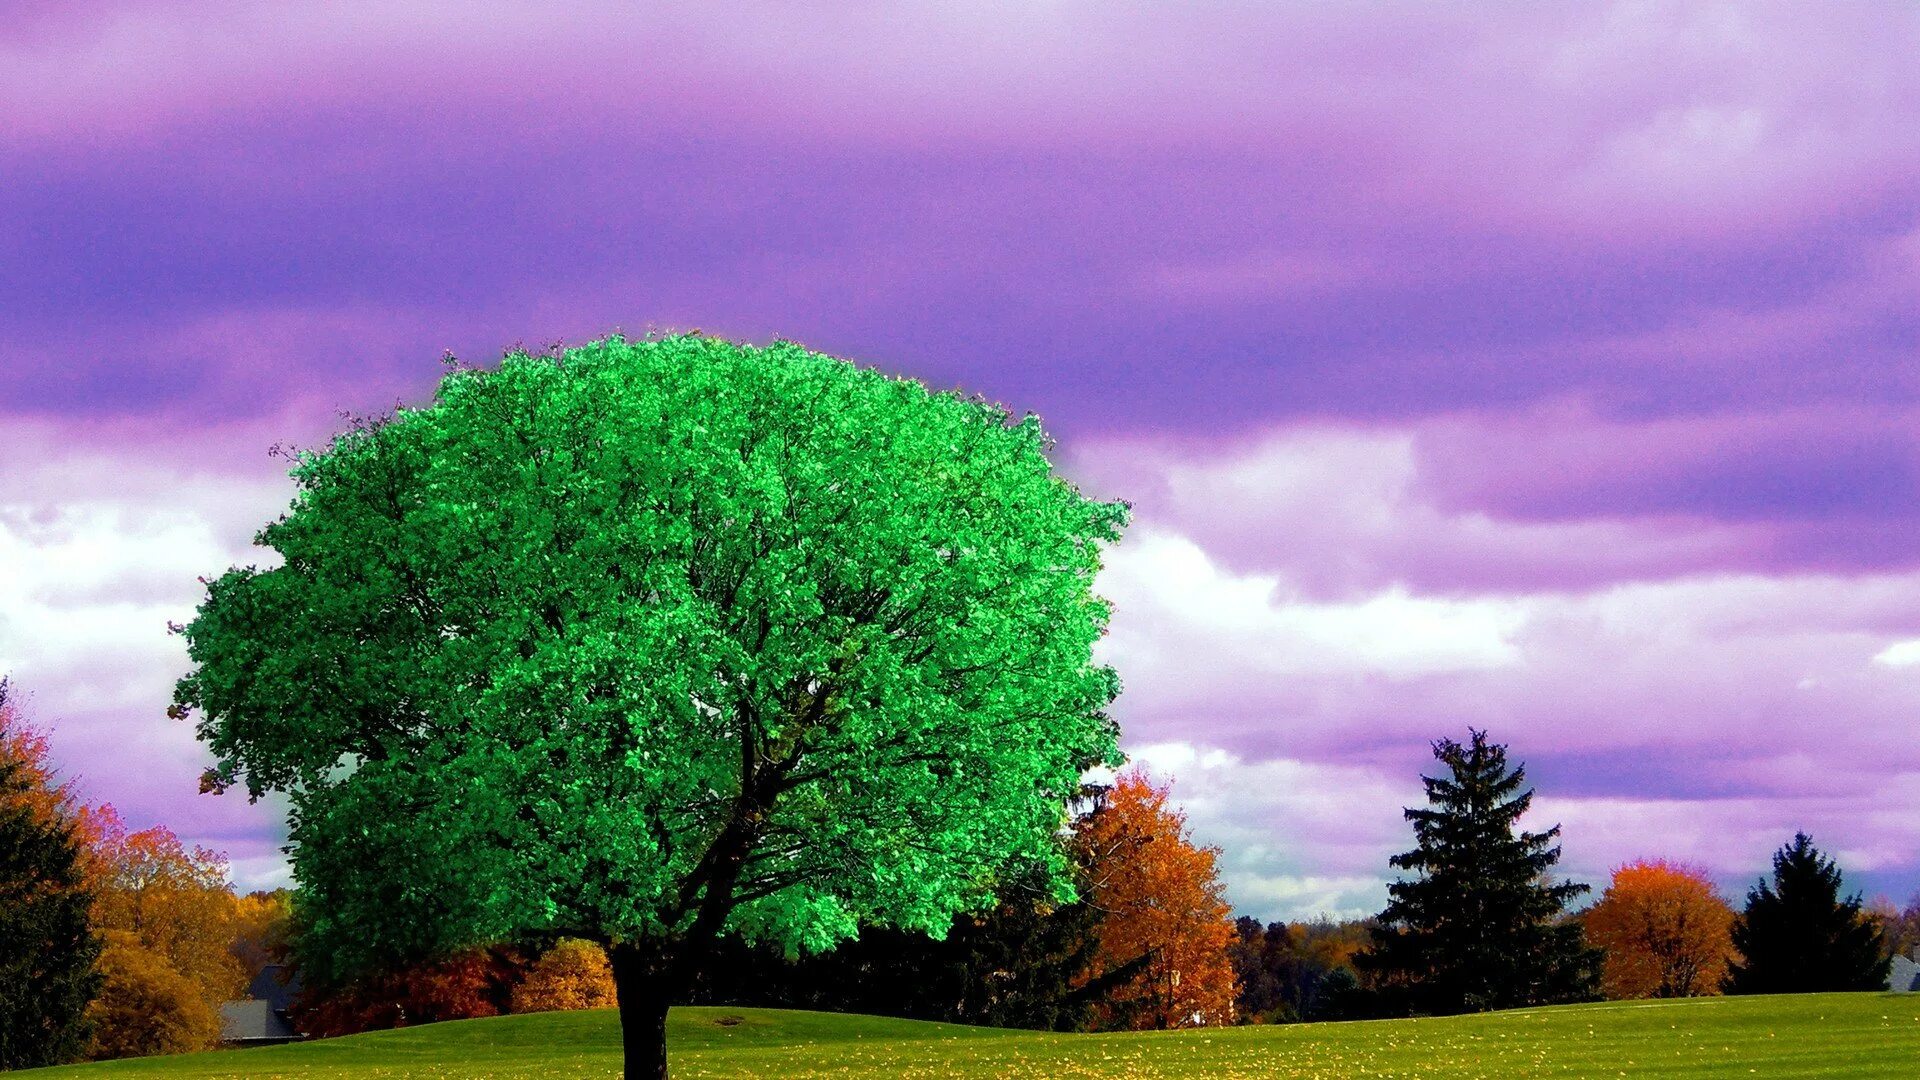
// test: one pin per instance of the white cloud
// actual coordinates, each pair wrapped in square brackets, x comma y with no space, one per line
[1899,654]
[98,553]
[1180,614]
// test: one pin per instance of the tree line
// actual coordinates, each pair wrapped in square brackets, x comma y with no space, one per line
[146,938]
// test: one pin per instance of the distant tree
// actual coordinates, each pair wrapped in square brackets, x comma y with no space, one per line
[1479,925]
[1797,936]
[146,1006]
[173,900]
[1257,959]
[1902,930]
[47,949]
[573,974]
[1665,932]
[1162,901]
[261,923]
[1287,971]
[471,983]
[644,641]
[38,787]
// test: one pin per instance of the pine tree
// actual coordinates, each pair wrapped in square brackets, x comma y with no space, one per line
[1479,924]
[47,951]
[1798,936]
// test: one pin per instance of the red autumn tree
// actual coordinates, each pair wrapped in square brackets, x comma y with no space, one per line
[471,983]
[1164,905]
[1666,932]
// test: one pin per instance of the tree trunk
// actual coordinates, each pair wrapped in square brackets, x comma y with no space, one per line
[640,982]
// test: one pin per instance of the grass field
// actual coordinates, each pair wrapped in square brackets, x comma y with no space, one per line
[1824,1035]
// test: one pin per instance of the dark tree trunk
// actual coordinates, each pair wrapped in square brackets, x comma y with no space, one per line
[641,981]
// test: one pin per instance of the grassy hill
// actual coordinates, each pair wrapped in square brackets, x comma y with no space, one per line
[1816,1035]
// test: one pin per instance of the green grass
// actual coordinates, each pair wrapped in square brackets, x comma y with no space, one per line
[1824,1035]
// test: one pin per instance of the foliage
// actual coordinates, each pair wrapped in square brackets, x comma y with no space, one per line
[1858,1036]
[174,901]
[37,787]
[572,975]
[470,983]
[1899,928]
[1294,971]
[146,1006]
[1798,936]
[1163,903]
[1479,925]
[1665,932]
[1018,965]
[47,950]
[262,922]
[711,636]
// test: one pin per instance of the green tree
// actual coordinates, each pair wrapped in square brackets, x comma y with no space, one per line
[1798,936]
[646,641]
[1480,924]
[47,950]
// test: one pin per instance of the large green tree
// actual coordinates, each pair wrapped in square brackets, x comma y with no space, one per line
[47,950]
[1479,923]
[645,641]
[1798,936]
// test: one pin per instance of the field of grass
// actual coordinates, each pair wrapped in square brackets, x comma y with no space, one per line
[1855,1036]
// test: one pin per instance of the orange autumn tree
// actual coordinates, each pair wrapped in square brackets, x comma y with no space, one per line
[1164,911]
[47,797]
[1666,932]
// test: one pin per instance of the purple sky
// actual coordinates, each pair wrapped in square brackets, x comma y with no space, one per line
[1555,372]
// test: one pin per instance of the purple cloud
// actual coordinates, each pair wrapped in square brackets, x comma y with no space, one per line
[1552,370]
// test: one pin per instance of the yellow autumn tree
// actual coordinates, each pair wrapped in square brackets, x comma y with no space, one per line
[1666,932]
[145,1007]
[165,904]
[574,974]
[1164,909]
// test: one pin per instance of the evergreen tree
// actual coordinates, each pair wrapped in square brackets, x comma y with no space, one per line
[47,951]
[1479,924]
[1798,936]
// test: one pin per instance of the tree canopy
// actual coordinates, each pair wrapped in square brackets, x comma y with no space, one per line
[644,640]
[1798,936]
[1166,917]
[1479,924]
[1665,931]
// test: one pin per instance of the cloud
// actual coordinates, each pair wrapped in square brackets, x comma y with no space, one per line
[1550,498]
[1899,654]
[1297,839]
[1549,370]
[98,554]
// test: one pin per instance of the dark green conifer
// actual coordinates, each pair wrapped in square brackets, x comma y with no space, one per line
[1479,925]
[1798,936]
[47,951]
